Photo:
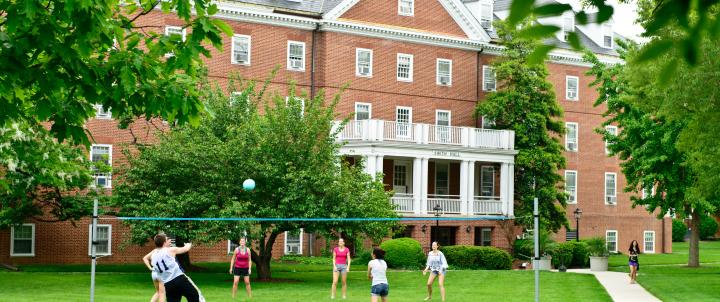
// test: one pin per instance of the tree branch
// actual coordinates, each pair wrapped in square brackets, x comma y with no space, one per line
[144,12]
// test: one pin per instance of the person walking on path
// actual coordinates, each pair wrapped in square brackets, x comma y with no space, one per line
[437,265]
[376,272]
[633,251]
[241,266]
[341,266]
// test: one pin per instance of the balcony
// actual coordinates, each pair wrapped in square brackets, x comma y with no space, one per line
[391,131]
[450,204]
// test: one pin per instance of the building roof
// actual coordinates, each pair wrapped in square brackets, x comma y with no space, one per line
[318,7]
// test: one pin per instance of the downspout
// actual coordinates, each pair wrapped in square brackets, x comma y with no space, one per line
[478,70]
[312,60]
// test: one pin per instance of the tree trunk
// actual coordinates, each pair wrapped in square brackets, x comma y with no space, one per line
[184,259]
[264,255]
[694,244]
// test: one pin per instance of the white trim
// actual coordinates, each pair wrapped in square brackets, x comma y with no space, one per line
[369,109]
[412,8]
[410,67]
[567,88]
[614,189]
[568,147]
[340,9]
[410,113]
[290,42]
[437,114]
[492,168]
[357,63]
[575,201]
[182,30]
[109,253]
[564,31]
[615,132]
[645,242]
[603,30]
[485,69]
[285,245]
[232,49]
[105,115]
[437,72]
[108,181]
[617,239]
[465,19]
[32,242]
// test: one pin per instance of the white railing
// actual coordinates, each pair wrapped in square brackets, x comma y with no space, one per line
[403,202]
[450,204]
[380,130]
[487,205]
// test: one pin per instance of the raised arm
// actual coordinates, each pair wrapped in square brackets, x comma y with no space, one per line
[180,250]
[146,260]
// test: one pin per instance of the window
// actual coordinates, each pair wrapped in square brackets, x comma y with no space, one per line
[442,126]
[610,190]
[571,88]
[649,242]
[22,240]
[172,31]
[442,181]
[612,130]
[406,7]
[487,123]
[101,113]
[568,26]
[403,122]
[102,153]
[296,101]
[296,56]
[363,111]
[104,240]
[232,244]
[648,192]
[483,236]
[607,36]
[611,240]
[363,62]
[571,185]
[404,67]
[400,177]
[240,50]
[293,242]
[486,15]
[571,137]
[489,82]
[444,72]
[487,181]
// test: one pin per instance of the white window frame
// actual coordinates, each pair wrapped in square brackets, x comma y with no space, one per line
[438,75]
[109,253]
[617,237]
[645,250]
[108,181]
[410,67]
[183,30]
[607,197]
[614,132]
[357,63]
[568,141]
[648,192]
[573,194]
[567,88]
[249,50]
[285,243]
[412,8]
[608,32]
[482,180]
[32,242]
[230,248]
[487,123]
[395,178]
[357,104]
[437,179]
[486,7]
[567,31]
[102,114]
[437,116]
[443,132]
[289,64]
[485,87]
[407,126]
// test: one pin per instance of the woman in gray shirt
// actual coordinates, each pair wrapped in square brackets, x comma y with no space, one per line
[376,272]
[437,265]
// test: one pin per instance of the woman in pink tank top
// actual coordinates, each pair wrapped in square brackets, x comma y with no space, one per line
[241,266]
[341,266]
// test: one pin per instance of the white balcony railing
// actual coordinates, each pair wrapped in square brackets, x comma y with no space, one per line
[484,205]
[403,202]
[450,204]
[380,130]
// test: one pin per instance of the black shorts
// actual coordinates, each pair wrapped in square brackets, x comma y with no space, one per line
[242,272]
[180,287]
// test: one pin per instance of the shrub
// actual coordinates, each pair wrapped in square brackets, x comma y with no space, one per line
[362,258]
[477,257]
[522,250]
[571,253]
[562,254]
[307,259]
[403,253]
[597,247]
[679,229]
[708,227]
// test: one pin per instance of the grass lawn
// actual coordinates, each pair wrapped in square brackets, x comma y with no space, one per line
[302,282]
[668,278]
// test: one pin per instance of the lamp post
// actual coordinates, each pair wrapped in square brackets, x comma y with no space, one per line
[437,208]
[578,213]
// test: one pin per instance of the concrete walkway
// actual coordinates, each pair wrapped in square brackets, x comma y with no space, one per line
[618,286]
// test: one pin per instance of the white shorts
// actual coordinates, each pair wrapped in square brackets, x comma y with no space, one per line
[155,276]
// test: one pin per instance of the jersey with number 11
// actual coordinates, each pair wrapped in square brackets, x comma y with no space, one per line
[165,265]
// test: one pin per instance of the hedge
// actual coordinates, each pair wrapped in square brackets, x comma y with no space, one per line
[403,253]
[477,257]
[679,229]
[575,254]
[708,227]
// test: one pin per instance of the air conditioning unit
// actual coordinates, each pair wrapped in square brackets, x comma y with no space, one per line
[572,95]
[400,189]
[571,199]
[444,80]
[485,24]
[293,249]
[489,86]
[296,64]
[572,146]
[364,70]
[610,199]
[240,58]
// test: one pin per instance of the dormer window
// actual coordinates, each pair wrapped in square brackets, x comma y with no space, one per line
[486,15]
[568,26]
[406,7]
[607,36]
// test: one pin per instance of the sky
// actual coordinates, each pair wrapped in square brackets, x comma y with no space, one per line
[624,17]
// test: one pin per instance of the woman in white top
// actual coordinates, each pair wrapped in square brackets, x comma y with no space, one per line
[437,265]
[376,272]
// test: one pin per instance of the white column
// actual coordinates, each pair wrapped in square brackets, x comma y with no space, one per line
[424,186]
[511,190]
[370,162]
[503,187]
[379,165]
[417,184]
[471,187]
[463,187]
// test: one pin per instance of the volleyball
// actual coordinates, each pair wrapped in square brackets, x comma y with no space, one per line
[249,185]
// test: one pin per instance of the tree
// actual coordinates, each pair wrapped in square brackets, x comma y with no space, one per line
[60,58]
[290,152]
[525,102]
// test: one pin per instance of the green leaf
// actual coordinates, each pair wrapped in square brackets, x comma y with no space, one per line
[581,18]
[224,27]
[519,10]
[212,9]
[553,9]
[539,54]
[574,41]
[605,12]
[538,31]
[690,51]
[654,50]
[667,72]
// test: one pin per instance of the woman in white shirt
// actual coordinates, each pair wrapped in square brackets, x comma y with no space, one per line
[376,272]
[437,265]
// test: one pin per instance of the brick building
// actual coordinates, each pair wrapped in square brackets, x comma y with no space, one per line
[416,69]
